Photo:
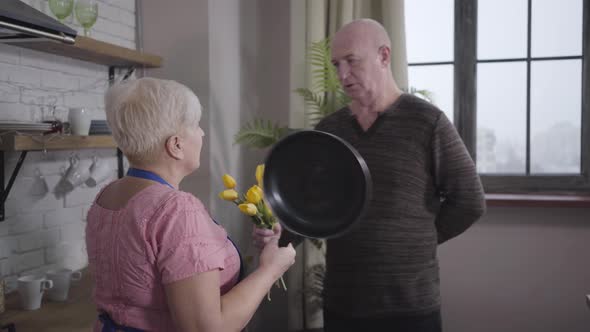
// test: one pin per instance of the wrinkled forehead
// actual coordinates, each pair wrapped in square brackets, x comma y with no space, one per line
[345,44]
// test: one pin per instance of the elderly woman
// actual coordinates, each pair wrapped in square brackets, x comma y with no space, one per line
[160,262]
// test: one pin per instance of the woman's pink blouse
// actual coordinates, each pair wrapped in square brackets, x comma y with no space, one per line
[161,236]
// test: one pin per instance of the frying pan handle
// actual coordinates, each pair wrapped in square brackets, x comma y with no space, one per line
[287,237]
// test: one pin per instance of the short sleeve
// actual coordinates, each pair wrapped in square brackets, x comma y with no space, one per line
[187,240]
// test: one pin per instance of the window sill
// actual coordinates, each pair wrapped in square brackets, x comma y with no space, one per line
[561,200]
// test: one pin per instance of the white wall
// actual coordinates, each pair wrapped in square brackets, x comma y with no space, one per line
[249,47]
[183,43]
[42,232]
[519,269]
[249,52]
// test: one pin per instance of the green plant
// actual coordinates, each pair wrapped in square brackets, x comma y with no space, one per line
[314,286]
[260,134]
[323,97]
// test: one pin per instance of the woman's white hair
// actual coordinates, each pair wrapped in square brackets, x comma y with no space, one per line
[144,113]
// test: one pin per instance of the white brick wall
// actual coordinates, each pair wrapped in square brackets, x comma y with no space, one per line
[47,231]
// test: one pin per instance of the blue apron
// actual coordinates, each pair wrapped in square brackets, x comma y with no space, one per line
[108,325]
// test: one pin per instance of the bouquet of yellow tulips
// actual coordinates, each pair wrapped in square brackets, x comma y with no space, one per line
[251,204]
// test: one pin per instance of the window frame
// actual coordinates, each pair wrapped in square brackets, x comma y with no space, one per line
[465,104]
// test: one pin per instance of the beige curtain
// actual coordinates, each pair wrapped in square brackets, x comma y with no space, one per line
[311,21]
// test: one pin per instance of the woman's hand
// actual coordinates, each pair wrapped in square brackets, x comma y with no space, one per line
[262,236]
[276,259]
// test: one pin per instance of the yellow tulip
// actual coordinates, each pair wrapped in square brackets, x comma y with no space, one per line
[229,195]
[248,209]
[260,174]
[254,194]
[268,210]
[259,190]
[228,181]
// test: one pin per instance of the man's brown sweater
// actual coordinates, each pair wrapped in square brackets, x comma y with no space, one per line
[425,191]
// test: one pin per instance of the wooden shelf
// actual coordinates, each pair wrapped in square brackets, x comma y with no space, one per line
[95,51]
[56,142]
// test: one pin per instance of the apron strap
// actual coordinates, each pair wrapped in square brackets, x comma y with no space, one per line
[109,325]
[242,269]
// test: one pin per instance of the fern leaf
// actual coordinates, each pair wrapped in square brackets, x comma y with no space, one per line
[259,134]
[313,100]
[324,94]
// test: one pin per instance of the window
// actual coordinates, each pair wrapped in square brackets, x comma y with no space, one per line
[430,50]
[521,86]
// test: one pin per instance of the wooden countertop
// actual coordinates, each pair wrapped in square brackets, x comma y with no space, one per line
[76,315]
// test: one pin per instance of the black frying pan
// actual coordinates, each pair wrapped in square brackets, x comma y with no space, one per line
[317,184]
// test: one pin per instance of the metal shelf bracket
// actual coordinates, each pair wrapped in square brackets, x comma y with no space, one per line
[6,191]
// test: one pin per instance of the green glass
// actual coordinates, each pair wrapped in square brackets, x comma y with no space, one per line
[61,8]
[86,13]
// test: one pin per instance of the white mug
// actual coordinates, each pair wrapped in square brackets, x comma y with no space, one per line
[30,289]
[75,175]
[61,283]
[79,119]
[99,171]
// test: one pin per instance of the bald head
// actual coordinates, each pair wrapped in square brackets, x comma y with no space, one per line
[361,54]
[365,30]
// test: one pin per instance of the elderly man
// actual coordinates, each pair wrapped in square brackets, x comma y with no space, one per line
[383,275]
